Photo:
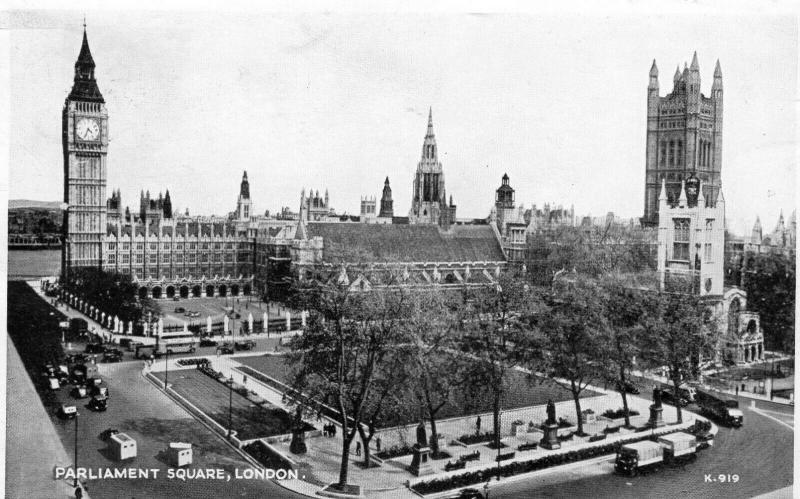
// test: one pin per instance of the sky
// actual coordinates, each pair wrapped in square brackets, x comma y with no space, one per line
[339,101]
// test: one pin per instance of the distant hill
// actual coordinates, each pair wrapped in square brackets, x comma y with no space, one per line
[27,203]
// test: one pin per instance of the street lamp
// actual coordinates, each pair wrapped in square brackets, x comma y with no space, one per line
[75,479]
[166,368]
[230,406]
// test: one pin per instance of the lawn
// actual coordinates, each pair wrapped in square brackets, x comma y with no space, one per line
[212,397]
[520,392]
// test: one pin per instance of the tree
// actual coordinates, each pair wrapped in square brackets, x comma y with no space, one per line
[348,342]
[624,309]
[770,284]
[679,331]
[438,368]
[493,325]
[114,294]
[573,324]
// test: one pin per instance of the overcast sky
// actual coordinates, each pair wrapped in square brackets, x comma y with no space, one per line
[340,101]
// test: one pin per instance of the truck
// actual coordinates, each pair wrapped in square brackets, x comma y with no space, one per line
[678,447]
[675,447]
[78,326]
[145,351]
[726,411]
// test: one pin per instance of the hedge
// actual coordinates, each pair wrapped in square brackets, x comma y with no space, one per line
[619,413]
[265,456]
[519,467]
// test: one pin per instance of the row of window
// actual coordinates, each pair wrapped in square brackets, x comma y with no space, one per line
[671,153]
[180,246]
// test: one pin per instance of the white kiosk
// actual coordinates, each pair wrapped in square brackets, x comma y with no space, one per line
[122,446]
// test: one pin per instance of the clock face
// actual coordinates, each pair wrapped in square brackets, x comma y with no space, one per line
[87,129]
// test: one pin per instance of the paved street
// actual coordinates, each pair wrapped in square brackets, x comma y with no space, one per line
[139,409]
[760,453]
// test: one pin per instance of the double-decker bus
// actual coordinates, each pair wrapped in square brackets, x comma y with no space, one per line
[180,342]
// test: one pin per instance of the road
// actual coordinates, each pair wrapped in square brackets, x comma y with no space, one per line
[139,409]
[760,453]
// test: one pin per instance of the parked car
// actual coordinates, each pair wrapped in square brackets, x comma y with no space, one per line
[226,348]
[113,356]
[95,348]
[106,434]
[99,390]
[468,494]
[195,314]
[79,392]
[98,403]
[208,342]
[179,310]
[67,411]
[176,298]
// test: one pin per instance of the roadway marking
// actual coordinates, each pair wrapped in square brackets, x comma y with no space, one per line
[763,413]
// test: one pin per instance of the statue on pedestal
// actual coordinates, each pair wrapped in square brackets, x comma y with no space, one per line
[657,397]
[551,412]
[298,443]
[422,438]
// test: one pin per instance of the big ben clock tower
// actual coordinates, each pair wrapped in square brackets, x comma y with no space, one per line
[85,142]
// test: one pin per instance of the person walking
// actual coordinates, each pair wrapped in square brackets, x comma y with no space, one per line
[358,448]
[378,444]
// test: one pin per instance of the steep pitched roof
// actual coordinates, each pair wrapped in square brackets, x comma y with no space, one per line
[350,242]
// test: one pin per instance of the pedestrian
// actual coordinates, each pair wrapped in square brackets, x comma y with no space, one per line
[378,444]
[78,493]
[333,430]
[358,448]
[478,426]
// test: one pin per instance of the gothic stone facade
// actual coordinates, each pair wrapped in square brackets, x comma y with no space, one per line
[684,137]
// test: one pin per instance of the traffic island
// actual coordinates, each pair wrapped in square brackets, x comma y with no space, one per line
[348,491]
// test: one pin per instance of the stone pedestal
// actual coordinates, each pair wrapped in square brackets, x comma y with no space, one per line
[550,438]
[298,443]
[656,417]
[420,463]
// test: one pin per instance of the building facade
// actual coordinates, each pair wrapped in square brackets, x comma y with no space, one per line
[684,137]
[691,257]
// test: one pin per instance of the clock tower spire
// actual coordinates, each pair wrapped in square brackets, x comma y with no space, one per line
[84,139]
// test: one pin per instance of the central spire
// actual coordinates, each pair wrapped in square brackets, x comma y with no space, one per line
[430,123]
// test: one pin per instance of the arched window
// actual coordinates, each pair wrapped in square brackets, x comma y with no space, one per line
[663,158]
[680,153]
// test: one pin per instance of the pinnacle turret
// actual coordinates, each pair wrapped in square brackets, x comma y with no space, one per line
[695,65]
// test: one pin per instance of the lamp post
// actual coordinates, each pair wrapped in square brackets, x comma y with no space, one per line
[230,406]
[166,368]
[75,480]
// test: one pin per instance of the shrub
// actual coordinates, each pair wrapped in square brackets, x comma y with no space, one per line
[597,438]
[611,429]
[395,451]
[519,467]
[506,456]
[528,446]
[476,438]
[619,413]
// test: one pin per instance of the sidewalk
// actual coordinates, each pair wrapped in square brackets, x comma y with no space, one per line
[319,467]
[29,428]
[71,313]
[740,393]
